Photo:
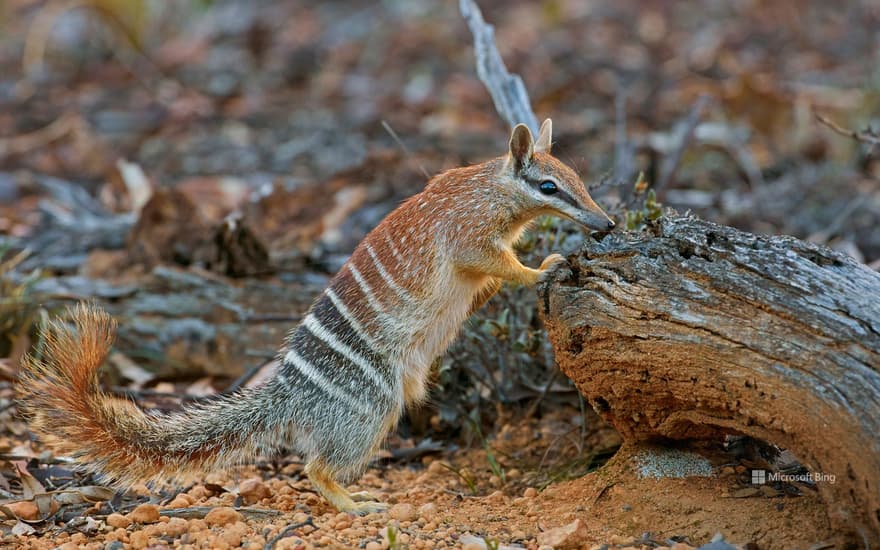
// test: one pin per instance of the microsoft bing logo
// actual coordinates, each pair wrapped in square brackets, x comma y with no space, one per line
[760,477]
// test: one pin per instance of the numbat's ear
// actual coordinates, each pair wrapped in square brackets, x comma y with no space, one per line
[522,148]
[545,138]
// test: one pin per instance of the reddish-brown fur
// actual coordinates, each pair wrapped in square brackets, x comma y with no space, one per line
[390,311]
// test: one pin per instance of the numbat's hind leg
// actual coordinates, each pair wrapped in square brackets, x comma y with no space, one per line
[324,480]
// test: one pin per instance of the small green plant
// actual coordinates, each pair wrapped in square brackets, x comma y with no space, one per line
[468,480]
[394,542]
[491,544]
[496,468]
[651,209]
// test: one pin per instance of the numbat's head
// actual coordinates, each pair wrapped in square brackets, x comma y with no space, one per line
[545,185]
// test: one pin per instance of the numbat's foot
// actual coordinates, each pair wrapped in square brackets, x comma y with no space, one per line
[364,508]
[364,496]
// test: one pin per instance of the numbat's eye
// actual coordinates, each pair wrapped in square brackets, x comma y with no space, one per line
[547,187]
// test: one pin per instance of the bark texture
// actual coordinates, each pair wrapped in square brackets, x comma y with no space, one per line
[691,330]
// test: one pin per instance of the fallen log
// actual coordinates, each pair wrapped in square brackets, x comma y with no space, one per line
[691,330]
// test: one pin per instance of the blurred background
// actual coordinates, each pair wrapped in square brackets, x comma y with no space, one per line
[200,168]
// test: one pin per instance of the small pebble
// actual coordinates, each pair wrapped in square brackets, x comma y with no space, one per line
[180,501]
[198,493]
[438,467]
[497,496]
[139,539]
[300,517]
[144,513]
[427,510]
[253,490]
[175,527]
[222,516]
[402,512]
[566,536]
[196,525]
[289,543]
[531,492]
[118,521]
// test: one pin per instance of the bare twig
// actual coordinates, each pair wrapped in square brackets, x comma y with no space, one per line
[199,512]
[747,163]
[406,151]
[624,165]
[671,163]
[37,139]
[831,229]
[534,406]
[507,90]
[868,136]
[242,380]
[287,531]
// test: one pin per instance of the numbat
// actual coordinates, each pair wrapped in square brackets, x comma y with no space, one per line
[361,354]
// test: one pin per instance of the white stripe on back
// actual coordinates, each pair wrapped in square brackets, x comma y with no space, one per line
[314,326]
[358,328]
[310,372]
[402,293]
[368,292]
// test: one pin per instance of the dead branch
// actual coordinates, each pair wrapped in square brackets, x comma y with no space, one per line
[405,149]
[287,531]
[507,90]
[685,133]
[868,136]
[37,139]
[624,158]
[199,512]
[691,330]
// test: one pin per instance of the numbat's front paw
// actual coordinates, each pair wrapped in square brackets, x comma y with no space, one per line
[552,261]
[552,264]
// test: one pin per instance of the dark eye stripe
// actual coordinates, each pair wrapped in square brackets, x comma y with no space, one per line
[565,197]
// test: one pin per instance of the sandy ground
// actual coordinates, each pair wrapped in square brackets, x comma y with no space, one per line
[453,500]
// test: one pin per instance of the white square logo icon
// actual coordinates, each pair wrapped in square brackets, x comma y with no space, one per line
[759,477]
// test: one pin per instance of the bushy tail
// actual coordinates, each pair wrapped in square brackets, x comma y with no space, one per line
[112,436]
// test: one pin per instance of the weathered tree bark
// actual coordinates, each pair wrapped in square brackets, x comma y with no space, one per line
[690,330]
